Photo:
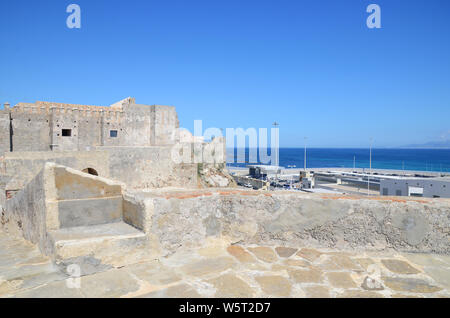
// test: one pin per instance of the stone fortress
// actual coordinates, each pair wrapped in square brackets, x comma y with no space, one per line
[126,141]
[45,126]
[97,187]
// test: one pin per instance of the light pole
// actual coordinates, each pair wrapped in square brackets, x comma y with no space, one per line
[305,157]
[370,168]
[275,124]
[354,163]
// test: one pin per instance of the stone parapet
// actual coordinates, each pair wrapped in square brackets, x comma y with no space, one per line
[188,218]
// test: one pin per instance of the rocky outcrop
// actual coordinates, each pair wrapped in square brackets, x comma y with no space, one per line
[214,176]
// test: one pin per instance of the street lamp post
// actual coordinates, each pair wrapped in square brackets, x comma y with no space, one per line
[275,124]
[370,168]
[305,156]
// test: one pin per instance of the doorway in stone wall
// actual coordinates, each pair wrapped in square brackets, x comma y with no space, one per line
[91,171]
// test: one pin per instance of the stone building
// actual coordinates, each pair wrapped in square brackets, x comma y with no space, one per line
[127,142]
[46,126]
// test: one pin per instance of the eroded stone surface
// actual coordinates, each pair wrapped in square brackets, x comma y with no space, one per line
[275,285]
[285,251]
[113,283]
[230,286]
[221,270]
[241,254]
[309,254]
[296,263]
[265,254]
[154,273]
[306,275]
[56,289]
[345,262]
[340,280]
[317,292]
[208,266]
[413,285]
[399,267]
[427,259]
[364,262]
[441,275]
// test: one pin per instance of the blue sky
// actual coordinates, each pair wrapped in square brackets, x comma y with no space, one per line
[313,66]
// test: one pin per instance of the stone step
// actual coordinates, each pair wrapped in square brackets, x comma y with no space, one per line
[89,211]
[112,244]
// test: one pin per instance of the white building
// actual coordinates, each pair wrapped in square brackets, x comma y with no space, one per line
[417,187]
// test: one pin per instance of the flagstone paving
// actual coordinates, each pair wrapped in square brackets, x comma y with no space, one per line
[224,270]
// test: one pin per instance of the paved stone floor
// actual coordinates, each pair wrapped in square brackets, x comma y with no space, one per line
[224,270]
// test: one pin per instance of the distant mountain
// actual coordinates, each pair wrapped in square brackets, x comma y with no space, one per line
[431,144]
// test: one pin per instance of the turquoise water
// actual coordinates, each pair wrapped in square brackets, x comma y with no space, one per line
[436,160]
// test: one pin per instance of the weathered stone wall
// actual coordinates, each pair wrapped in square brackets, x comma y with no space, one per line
[135,213]
[187,219]
[92,127]
[150,167]
[137,167]
[31,129]
[39,126]
[3,181]
[24,166]
[27,211]
[65,118]
[137,125]
[4,132]
[164,123]
[90,130]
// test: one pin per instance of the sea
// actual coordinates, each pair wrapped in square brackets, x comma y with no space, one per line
[432,160]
